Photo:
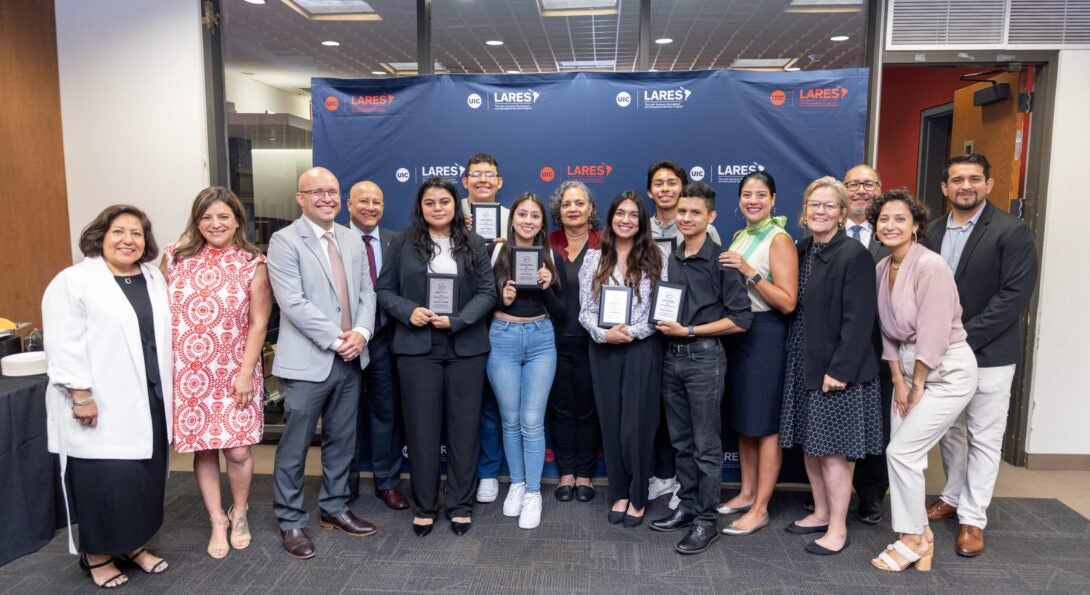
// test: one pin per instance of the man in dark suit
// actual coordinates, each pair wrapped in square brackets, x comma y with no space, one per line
[994,260]
[870,478]
[319,276]
[379,387]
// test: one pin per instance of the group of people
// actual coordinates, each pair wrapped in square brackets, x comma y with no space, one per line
[870,339]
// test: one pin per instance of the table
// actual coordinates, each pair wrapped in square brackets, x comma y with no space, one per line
[31,501]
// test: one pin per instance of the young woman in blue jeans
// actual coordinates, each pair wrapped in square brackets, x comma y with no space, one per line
[523,357]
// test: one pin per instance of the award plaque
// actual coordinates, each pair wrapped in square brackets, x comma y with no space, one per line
[667,302]
[614,306]
[524,265]
[667,244]
[486,220]
[442,294]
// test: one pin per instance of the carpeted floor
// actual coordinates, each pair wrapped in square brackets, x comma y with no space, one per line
[1032,545]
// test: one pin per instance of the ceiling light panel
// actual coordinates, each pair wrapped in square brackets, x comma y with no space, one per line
[334,10]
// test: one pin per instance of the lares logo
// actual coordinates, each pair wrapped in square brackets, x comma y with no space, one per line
[474,101]
[624,99]
[732,173]
[822,96]
[589,173]
[402,175]
[514,100]
[547,174]
[672,98]
[452,172]
[696,174]
[778,97]
[371,103]
[332,103]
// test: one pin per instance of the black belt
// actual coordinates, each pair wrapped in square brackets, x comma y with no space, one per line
[691,345]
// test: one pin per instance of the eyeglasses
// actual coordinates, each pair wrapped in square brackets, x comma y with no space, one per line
[868,185]
[319,193]
[488,175]
[822,206]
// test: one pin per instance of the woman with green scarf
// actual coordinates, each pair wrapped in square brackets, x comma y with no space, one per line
[765,255]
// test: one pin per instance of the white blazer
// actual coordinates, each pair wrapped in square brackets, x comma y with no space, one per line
[92,341]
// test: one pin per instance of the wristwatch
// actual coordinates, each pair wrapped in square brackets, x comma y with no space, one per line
[692,331]
[755,279]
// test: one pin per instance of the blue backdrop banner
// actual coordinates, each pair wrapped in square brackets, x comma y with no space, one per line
[604,129]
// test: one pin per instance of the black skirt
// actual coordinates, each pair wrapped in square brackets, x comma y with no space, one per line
[119,503]
[755,368]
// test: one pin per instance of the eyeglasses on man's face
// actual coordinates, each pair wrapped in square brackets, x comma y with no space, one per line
[868,185]
[318,193]
[488,175]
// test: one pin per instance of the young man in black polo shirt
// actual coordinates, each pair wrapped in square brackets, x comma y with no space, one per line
[715,303]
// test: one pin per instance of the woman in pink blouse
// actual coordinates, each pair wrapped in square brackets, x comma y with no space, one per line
[934,370]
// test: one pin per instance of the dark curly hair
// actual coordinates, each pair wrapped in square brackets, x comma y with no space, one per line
[90,240]
[426,248]
[919,212]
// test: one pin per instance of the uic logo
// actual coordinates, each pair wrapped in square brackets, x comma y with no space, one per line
[332,103]
[624,99]
[474,101]
[777,97]
[402,174]
[696,174]
[548,174]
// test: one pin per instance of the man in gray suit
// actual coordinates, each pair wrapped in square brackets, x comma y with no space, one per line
[320,279]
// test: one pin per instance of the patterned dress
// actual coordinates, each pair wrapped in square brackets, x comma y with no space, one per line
[843,422]
[210,310]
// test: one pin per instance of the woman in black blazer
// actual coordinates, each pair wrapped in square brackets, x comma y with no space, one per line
[832,400]
[441,357]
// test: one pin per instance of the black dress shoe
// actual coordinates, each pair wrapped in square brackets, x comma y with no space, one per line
[565,493]
[615,517]
[808,503]
[422,530]
[348,522]
[701,537]
[297,543]
[870,512]
[674,522]
[584,493]
[460,528]
[632,521]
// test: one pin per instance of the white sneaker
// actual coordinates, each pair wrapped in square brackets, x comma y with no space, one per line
[530,517]
[488,490]
[660,487]
[512,506]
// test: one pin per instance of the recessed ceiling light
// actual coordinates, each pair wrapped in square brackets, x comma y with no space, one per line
[792,69]
[576,8]
[334,10]
[514,72]
[664,40]
[839,38]
[377,72]
[493,42]
[330,43]
[256,1]
[586,64]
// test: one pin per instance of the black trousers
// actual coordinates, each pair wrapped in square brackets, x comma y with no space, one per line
[378,424]
[693,378]
[871,476]
[441,389]
[573,420]
[627,391]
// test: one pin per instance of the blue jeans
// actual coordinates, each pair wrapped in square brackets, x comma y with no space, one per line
[521,366]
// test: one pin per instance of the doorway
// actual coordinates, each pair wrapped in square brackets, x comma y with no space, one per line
[935,126]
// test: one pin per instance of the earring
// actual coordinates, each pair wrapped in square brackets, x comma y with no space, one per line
[914,237]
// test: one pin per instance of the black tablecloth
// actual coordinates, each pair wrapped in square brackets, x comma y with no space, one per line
[31,501]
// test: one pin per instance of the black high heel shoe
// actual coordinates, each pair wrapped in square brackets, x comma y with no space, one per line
[460,529]
[615,517]
[422,530]
[87,567]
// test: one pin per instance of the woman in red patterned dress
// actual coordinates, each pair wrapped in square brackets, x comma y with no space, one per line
[220,301]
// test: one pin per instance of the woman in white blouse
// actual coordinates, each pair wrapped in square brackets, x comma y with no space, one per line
[625,364]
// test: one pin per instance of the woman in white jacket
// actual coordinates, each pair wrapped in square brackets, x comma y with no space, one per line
[107,341]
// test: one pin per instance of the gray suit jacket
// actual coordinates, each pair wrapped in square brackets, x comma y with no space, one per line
[876,249]
[309,308]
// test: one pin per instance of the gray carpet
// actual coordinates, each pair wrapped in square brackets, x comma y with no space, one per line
[1032,545]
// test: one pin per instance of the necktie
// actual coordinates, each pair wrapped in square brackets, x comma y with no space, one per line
[340,282]
[367,239]
[855,233]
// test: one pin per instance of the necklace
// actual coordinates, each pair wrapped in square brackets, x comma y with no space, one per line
[896,265]
[128,280]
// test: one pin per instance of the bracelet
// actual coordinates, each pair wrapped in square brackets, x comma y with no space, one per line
[76,403]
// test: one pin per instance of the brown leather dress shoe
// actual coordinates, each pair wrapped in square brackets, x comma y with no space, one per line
[347,522]
[970,541]
[297,543]
[393,498]
[941,510]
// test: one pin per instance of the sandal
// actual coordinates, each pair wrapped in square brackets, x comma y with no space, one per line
[218,548]
[240,529]
[907,554]
[158,568]
[87,567]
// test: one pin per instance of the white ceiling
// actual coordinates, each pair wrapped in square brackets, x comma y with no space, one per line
[278,47]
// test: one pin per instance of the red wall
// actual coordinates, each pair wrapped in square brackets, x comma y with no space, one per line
[907,91]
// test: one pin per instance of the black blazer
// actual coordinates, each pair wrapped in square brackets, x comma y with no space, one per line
[402,286]
[995,277]
[840,306]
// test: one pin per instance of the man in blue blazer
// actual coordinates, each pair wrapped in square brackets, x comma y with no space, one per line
[379,424]
[321,282]
[994,259]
